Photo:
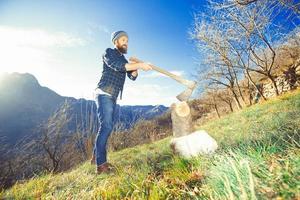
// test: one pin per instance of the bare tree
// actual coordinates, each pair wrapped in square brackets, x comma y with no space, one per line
[209,37]
[236,40]
[288,59]
[53,140]
[226,97]
[289,4]
[210,99]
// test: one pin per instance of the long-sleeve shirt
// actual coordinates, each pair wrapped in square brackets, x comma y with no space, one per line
[114,72]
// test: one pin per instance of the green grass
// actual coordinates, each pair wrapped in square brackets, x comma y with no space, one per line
[258,158]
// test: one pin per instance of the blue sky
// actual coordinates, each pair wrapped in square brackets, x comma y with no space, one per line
[61,42]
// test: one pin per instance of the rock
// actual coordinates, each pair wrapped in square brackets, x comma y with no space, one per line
[198,142]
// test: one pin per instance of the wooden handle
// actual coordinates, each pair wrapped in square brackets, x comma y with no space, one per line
[173,76]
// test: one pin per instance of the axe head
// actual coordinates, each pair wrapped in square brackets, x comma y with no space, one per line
[186,94]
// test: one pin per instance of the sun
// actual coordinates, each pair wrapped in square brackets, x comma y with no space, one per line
[17,58]
[20,50]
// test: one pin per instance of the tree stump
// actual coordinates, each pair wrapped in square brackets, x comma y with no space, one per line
[181,119]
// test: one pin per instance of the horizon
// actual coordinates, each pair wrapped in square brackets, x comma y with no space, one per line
[26,73]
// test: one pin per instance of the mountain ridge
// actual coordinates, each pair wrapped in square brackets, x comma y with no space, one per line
[25,104]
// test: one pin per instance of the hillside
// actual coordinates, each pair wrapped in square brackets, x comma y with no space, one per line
[258,158]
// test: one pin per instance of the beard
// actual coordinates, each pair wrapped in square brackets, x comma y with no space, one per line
[123,49]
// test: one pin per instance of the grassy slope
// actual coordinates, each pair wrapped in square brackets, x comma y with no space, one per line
[258,158]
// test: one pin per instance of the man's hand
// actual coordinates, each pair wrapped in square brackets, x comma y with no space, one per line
[134,73]
[144,66]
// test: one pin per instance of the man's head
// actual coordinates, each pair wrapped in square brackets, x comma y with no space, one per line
[120,40]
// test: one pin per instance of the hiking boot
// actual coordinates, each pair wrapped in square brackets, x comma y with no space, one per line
[105,168]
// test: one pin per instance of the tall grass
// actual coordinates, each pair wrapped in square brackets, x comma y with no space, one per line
[258,158]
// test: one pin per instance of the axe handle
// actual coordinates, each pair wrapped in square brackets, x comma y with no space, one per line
[171,75]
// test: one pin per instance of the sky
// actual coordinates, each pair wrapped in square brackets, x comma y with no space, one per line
[61,43]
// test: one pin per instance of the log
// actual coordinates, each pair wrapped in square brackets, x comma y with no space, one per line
[181,119]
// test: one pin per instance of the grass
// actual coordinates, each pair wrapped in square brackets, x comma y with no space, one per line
[258,158]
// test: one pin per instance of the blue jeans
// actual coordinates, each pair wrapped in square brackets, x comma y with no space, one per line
[105,112]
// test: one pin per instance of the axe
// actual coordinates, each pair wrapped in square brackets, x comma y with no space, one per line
[183,96]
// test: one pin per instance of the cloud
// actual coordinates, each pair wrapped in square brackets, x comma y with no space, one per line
[147,94]
[11,36]
[31,49]
[157,74]
[94,28]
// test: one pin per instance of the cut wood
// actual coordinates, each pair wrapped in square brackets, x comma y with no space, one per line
[181,119]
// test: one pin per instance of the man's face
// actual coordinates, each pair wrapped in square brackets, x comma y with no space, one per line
[122,44]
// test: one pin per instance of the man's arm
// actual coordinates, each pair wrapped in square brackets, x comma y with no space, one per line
[133,66]
[114,61]
[117,63]
[133,73]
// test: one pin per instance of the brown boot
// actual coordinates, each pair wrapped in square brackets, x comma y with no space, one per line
[104,168]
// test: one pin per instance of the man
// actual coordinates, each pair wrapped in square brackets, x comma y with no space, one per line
[115,68]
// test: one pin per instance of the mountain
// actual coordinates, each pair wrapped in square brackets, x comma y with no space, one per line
[128,115]
[25,104]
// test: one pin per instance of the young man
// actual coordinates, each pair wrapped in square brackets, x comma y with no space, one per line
[115,68]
